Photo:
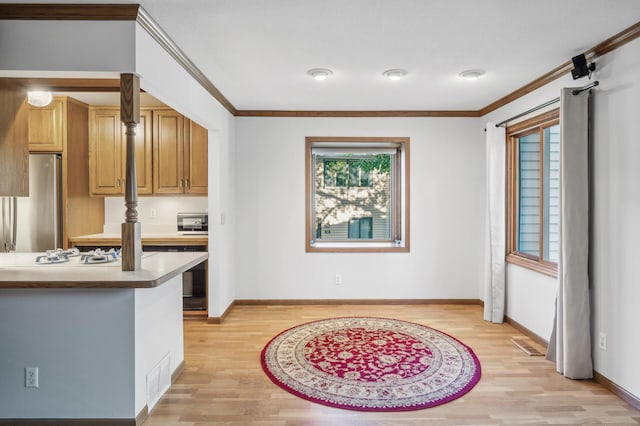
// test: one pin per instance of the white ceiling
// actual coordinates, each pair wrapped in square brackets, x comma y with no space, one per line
[257,52]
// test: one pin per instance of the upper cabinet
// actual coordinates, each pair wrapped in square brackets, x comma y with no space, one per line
[171,153]
[168,152]
[105,152]
[108,150]
[46,128]
[179,154]
[14,149]
[196,159]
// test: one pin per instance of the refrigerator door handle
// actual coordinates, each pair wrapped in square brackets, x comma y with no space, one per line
[14,224]
[3,228]
[5,221]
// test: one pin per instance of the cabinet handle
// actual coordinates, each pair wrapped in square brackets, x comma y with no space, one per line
[188,183]
[181,183]
[118,182]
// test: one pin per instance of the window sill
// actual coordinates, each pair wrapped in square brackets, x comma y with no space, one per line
[546,268]
[357,247]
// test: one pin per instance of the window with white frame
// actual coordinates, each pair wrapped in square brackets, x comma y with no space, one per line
[357,194]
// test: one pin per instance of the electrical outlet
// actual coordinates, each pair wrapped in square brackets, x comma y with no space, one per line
[338,279]
[602,341]
[31,377]
[153,213]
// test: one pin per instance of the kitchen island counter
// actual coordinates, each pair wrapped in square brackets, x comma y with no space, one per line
[19,270]
[110,341]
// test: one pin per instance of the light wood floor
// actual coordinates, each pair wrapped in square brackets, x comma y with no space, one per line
[224,384]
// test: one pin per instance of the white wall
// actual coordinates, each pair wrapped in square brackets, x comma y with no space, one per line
[615,231]
[531,298]
[162,77]
[82,343]
[222,220]
[158,332]
[447,186]
[616,214]
[102,46]
[94,349]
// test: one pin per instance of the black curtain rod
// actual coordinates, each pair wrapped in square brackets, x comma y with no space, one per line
[529,111]
[546,104]
[587,87]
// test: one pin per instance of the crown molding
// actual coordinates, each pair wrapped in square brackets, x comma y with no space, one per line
[69,12]
[395,113]
[163,39]
[89,12]
[612,43]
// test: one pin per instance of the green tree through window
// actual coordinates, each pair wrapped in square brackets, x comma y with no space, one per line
[354,172]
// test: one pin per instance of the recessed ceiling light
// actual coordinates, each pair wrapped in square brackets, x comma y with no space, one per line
[471,74]
[319,73]
[39,98]
[395,74]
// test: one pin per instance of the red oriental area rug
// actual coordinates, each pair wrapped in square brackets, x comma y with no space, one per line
[371,364]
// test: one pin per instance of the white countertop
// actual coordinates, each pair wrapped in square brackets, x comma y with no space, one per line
[19,270]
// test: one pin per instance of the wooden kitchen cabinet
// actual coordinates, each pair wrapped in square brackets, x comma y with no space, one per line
[14,152]
[46,126]
[171,153]
[108,149]
[196,159]
[105,152]
[168,152]
[81,213]
[179,154]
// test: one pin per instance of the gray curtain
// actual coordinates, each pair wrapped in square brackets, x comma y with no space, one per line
[495,271]
[570,343]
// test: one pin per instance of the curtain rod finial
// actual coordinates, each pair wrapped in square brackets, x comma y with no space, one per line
[587,87]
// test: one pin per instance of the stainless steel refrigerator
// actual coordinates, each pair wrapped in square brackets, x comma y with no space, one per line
[34,223]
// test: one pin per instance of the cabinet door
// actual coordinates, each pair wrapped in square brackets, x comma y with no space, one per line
[46,129]
[144,152]
[168,138]
[196,159]
[105,152]
[14,153]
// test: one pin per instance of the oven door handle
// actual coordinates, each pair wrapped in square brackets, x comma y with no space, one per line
[3,226]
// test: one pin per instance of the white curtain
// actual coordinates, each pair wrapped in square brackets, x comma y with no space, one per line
[570,343]
[494,283]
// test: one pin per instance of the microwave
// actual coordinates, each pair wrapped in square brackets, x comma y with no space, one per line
[193,223]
